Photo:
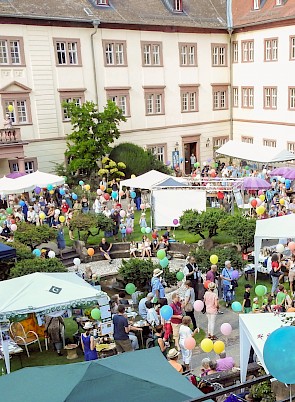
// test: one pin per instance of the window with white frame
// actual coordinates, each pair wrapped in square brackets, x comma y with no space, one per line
[219,54]
[152,54]
[11,51]
[256,4]
[189,98]
[188,54]
[115,53]
[247,97]
[292,98]
[269,143]
[247,51]
[30,165]
[219,141]
[235,50]
[271,49]
[75,95]
[291,147]
[248,140]
[102,2]
[270,97]
[154,100]
[220,97]
[67,52]
[178,5]
[159,150]
[235,97]
[292,47]
[18,109]
[120,96]
[279,2]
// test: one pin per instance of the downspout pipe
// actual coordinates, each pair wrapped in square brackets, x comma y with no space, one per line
[96,24]
[230,31]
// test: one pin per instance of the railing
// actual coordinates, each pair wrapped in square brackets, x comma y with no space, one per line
[9,135]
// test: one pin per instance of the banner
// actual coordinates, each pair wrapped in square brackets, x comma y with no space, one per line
[175,158]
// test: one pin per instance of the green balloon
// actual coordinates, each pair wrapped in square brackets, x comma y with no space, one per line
[164,262]
[180,276]
[95,314]
[9,210]
[196,164]
[161,254]
[143,230]
[130,288]
[260,290]
[247,167]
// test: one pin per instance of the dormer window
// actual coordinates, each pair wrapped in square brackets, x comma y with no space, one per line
[256,4]
[102,2]
[178,6]
[279,2]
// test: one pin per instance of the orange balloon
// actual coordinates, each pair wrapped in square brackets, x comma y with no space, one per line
[206,284]
[90,251]
[102,187]
[291,310]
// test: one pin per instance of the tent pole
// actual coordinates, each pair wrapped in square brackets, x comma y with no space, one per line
[151,210]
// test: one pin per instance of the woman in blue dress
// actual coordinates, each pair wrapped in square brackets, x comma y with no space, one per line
[61,243]
[87,343]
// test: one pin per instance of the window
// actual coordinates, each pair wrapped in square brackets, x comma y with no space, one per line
[31,165]
[16,102]
[219,55]
[115,53]
[120,96]
[235,54]
[71,95]
[270,97]
[154,100]
[291,98]
[219,141]
[256,4]
[159,150]
[152,54]
[102,2]
[247,97]
[248,140]
[291,147]
[279,3]
[220,97]
[12,51]
[292,47]
[247,51]
[187,54]
[189,98]
[178,6]
[235,97]
[269,143]
[271,49]
[67,52]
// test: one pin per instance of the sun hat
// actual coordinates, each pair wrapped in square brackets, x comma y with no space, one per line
[157,272]
[150,295]
[172,353]
[88,325]
[211,285]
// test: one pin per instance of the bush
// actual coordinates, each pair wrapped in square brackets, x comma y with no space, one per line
[242,229]
[90,224]
[30,266]
[32,235]
[198,222]
[202,257]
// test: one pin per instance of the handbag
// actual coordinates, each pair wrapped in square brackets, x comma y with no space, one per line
[188,308]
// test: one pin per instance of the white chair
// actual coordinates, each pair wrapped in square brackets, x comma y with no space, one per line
[22,338]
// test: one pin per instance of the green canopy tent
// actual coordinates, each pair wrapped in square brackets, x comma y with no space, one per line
[142,376]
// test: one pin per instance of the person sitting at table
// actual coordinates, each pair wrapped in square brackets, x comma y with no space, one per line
[224,363]
[205,366]
[122,298]
[152,317]
[158,339]
[87,343]
[172,356]
[142,309]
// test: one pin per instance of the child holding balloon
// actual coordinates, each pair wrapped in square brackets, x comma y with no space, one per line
[186,341]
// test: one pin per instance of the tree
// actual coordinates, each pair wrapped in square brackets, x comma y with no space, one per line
[136,159]
[111,169]
[202,257]
[32,235]
[30,266]
[242,229]
[90,225]
[92,134]
[199,222]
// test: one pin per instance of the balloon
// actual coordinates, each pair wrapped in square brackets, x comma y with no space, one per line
[81,182]
[148,230]
[122,213]
[99,192]
[133,194]
[235,274]
[114,195]
[50,187]
[128,230]
[57,212]
[130,288]
[206,284]
[164,262]
[282,201]
[247,168]
[37,190]
[142,230]
[102,187]
[260,290]
[206,345]
[12,221]
[9,210]
[74,196]
[254,203]
[42,215]
[226,329]
[236,306]
[262,197]
[259,202]
[106,196]
[77,261]
[277,354]
[198,305]
[90,251]
[214,259]
[1,229]
[121,193]
[62,219]
[37,252]
[166,312]
[87,187]
[291,245]
[51,192]
[204,163]
[196,164]
[260,210]
[142,206]
[260,192]
[95,314]
[22,203]
[161,254]
[218,347]
[13,227]
[168,163]
[133,176]
[280,248]
[190,343]
[10,108]
[175,221]
[179,275]
[51,254]
[265,291]
[62,191]
[213,174]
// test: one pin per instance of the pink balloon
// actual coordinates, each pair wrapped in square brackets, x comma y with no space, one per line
[142,206]
[291,245]
[260,192]
[175,221]
[226,329]
[99,192]
[190,343]
[128,230]
[122,213]
[198,305]
[13,227]
[259,202]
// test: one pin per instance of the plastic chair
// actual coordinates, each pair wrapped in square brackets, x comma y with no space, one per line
[22,338]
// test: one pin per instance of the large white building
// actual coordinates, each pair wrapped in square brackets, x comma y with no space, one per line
[188,74]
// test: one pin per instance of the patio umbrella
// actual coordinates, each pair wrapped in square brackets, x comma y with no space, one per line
[253,183]
[15,175]
[290,174]
[281,171]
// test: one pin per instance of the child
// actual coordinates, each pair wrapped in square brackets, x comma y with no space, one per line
[133,249]
[123,230]
[280,299]
[255,306]
[247,301]
[184,333]
[142,221]
[152,317]
[129,223]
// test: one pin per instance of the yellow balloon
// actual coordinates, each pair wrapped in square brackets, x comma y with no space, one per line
[62,219]
[51,192]
[262,197]
[214,259]
[260,210]
[10,108]
[133,176]
[87,187]
[207,345]
[282,201]
[42,215]
[218,347]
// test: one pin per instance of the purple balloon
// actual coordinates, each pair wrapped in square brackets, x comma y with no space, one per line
[168,163]
[235,275]
[37,190]
[175,221]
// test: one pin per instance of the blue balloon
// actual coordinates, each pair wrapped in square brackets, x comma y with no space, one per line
[62,191]
[236,306]
[74,196]
[81,182]
[50,187]
[114,195]
[164,262]
[22,203]
[277,354]
[37,252]
[288,184]
[133,194]
[166,312]
[148,230]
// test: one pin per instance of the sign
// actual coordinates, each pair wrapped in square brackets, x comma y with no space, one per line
[55,289]
[175,158]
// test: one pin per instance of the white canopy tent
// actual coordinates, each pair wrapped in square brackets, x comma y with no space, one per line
[254,329]
[14,186]
[255,153]
[41,292]
[40,179]
[272,228]
[145,181]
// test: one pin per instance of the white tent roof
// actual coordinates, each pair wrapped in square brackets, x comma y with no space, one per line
[255,153]
[254,329]
[146,180]
[39,291]
[14,186]
[40,179]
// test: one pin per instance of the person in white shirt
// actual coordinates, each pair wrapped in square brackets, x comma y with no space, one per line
[31,217]
[151,317]
[184,333]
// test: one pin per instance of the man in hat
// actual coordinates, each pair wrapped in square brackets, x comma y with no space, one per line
[158,289]
[246,306]
[172,356]
[142,310]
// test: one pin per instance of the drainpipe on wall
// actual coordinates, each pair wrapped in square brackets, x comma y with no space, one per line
[96,24]
[230,31]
